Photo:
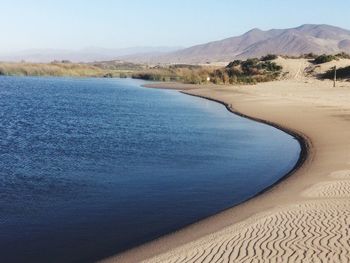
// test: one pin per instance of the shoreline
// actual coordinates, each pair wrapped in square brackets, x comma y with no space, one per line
[304,142]
[275,195]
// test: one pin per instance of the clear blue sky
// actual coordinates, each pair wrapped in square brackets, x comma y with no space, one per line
[74,24]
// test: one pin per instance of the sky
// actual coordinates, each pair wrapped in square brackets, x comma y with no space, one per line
[77,24]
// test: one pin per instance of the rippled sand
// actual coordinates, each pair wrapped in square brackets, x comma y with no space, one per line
[309,231]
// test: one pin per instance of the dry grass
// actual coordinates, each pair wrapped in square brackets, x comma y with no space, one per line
[56,69]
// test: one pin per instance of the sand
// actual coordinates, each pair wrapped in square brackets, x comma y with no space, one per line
[304,218]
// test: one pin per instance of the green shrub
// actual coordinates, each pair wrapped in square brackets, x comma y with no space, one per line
[249,71]
[234,63]
[270,66]
[323,59]
[249,66]
[268,57]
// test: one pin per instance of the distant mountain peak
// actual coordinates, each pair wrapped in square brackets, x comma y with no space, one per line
[254,30]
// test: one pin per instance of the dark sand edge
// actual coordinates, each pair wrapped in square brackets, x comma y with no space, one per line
[304,141]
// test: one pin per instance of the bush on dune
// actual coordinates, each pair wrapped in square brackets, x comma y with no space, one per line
[324,59]
[268,57]
[249,71]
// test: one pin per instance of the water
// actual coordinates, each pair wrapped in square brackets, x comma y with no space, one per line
[91,167]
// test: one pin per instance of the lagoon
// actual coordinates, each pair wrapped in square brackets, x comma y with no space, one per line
[92,167]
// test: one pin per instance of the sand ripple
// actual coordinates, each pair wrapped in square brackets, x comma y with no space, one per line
[342,174]
[334,189]
[315,231]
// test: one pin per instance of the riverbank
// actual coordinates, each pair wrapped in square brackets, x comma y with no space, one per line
[306,216]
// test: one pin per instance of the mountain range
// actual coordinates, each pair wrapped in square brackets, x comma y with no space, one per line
[304,39]
[84,55]
[296,41]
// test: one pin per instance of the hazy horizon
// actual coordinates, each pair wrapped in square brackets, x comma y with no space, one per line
[63,25]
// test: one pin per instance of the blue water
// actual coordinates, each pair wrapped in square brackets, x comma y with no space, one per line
[91,167]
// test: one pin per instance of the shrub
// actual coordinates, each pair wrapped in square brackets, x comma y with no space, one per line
[193,79]
[268,57]
[249,71]
[343,55]
[310,56]
[249,65]
[270,66]
[323,59]
[234,63]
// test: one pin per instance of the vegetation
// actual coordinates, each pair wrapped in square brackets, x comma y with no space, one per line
[342,55]
[327,58]
[324,59]
[310,56]
[118,65]
[342,73]
[313,56]
[249,71]
[191,74]
[306,56]
[269,57]
[61,68]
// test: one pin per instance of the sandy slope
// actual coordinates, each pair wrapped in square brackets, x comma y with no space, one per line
[306,217]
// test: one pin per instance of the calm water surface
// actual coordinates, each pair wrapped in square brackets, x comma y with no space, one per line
[91,167]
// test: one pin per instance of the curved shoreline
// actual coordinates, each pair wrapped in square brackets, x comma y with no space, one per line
[304,142]
[305,154]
